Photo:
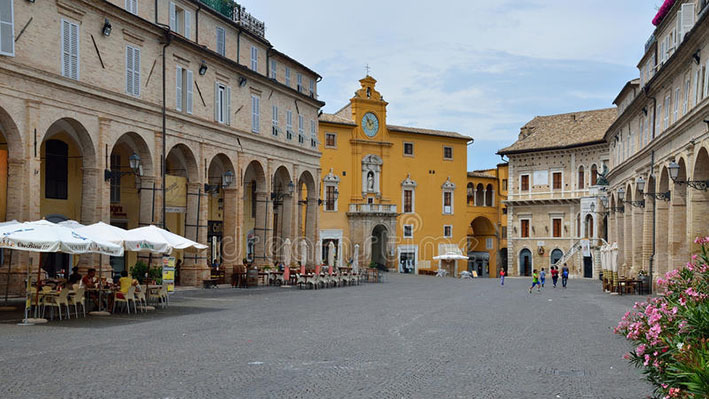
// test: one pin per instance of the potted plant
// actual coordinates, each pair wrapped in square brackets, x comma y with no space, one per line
[139,270]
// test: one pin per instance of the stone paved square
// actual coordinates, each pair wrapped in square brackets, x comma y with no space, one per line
[409,337]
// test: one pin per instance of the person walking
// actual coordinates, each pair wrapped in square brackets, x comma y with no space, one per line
[543,277]
[535,281]
[502,277]
[554,275]
[564,275]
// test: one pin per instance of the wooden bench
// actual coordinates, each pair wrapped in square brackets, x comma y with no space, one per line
[210,283]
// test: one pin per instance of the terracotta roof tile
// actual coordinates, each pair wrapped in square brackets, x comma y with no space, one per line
[563,130]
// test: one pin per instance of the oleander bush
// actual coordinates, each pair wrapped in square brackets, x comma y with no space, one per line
[670,332]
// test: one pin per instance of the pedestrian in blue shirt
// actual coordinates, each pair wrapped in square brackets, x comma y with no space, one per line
[542,277]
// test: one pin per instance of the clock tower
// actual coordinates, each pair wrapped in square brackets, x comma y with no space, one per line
[369,112]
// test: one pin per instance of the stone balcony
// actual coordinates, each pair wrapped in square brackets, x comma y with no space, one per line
[372,209]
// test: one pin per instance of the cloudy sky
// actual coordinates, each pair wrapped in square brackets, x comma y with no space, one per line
[481,68]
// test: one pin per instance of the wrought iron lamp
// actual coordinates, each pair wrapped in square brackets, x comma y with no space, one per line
[640,182]
[227,179]
[702,185]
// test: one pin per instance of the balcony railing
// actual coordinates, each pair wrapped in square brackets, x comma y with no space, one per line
[238,14]
[373,208]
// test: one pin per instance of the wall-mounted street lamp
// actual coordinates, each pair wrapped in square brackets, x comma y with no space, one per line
[640,182]
[242,81]
[106,30]
[636,204]
[695,184]
[227,179]
[203,68]
[593,207]
[135,166]
[278,196]
[619,209]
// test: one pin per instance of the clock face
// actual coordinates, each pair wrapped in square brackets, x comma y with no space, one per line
[370,124]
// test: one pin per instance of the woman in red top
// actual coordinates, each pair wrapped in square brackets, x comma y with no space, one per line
[502,277]
[554,275]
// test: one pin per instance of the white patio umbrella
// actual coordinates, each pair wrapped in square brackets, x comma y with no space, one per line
[2,260]
[153,232]
[72,224]
[331,255]
[132,240]
[45,236]
[303,253]
[355,259]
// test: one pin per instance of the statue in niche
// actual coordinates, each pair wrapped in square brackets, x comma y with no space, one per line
[370,181]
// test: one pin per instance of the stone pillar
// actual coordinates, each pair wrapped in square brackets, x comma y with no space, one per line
[661,259]
[311,228]
[261,257]
[620,219]
[638,235]
[678,240]
[194,268]
[230,253]
[647,233]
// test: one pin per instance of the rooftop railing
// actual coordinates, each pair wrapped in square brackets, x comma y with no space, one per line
[238,14]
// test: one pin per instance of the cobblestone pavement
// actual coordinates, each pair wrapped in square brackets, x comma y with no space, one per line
[409,337]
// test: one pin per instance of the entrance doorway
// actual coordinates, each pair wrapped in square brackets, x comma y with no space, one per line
[407,263]
[379,245]
[587,267]
[555,256]
[479,262]
[525,262]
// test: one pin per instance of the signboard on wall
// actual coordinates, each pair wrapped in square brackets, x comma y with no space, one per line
[175,194]
[168,273]
[586,248]
[541,177]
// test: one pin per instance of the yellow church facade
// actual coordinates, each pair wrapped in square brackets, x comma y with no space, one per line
[390,195]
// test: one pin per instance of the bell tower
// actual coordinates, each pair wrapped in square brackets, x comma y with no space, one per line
[369,111]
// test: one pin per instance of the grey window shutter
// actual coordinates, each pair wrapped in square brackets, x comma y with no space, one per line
[136,72]
[7,42]
[217,103]
[74,28]
[189,91]
[129,70]
[227,108]
[178,89]
[66,49]
[173,17]
[188,18]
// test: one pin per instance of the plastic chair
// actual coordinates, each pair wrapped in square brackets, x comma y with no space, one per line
[128,297]
[140,298]
[78,298]
[57,301]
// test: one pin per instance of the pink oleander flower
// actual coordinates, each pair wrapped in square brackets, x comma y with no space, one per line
[640,350]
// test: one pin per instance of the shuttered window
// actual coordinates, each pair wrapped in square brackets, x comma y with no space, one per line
[408,201]
[70,49]
[183,90]
[254,58]
[222,103]
[7,28]
[255,113]
[132,6]
[330,198]
[274,119]
[556,227]
[221,41]
[133,71]
[180,20]
[524,228]
[556,180]
[289,124]
[273,69]
[287,76]
[524,183]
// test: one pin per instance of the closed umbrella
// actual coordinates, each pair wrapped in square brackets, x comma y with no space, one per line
[2,260]
[355,259]
[286,261]
[331,256]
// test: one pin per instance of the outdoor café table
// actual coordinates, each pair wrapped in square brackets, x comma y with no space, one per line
[373,274]
[105,293]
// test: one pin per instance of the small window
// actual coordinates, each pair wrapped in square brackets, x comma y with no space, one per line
[301,129]
[180,20]
[273,69]
[408,201]
[255,113]
[133,71]
[288,76]
[556,180]
[330,140]
[183,90]
[556,227]
[581,178]
[524,228]
[409,149]
[504,184]
[489,243]
[524,183]
[447,202]
[289,125]
[299,79]
[447,231]
[254,58]
[7,29]
[408,231]
[221,41]
[70,48]
[274,119]
[504,210]
[312,88]
[594,174]
[313,133]
[447,152]
[132,6]
[330,198]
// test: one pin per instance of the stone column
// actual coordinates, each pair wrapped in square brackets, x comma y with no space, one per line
[194,268]
[661,259]
[646,249]
[638,235]
[261,257]
[678,242]
[311,228]
[620,220]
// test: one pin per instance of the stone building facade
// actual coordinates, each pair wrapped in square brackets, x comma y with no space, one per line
[398,193]
[486,215]
[195,93]
[659,147]
[552,203]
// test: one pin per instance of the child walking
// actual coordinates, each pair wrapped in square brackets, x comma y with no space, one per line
[543,277]
[535,281]
[502,277]
[554,275]
[564,275]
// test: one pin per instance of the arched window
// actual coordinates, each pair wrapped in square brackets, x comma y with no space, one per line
[594,174]
[470,192]
[480,195]
[581,178]
[56,169]
[589,226]
[489,195]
